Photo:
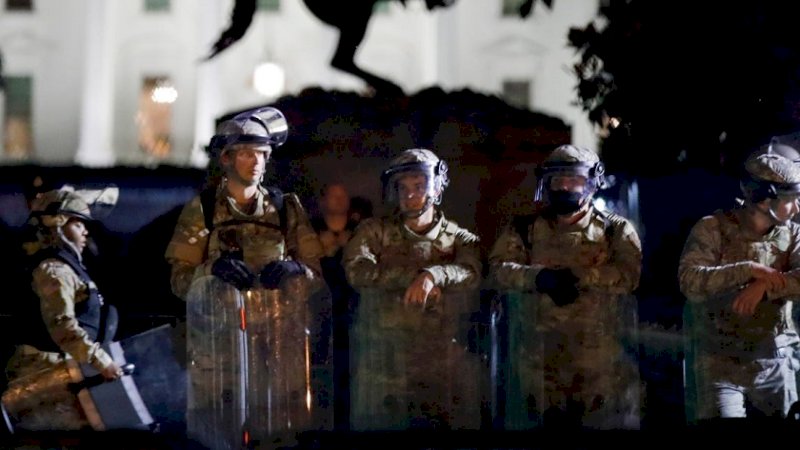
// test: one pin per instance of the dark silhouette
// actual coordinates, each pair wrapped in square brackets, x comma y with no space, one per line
[351,21]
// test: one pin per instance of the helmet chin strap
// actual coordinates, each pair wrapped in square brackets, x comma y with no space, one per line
[419,212]
[771,214]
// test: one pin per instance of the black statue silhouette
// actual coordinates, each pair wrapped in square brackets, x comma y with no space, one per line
[351,20]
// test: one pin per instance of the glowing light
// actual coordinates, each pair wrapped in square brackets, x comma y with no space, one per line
[613,122]
[600,203]
[164,94]
[269,79]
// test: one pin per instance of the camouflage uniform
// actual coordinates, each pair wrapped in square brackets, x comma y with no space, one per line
[251,345]
[61,292]
[259,236]
[738,357]
[411,364]
[574,355]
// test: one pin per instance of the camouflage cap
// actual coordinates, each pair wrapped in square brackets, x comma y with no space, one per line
[572,154]
[56,206]
[415,155]
[773,168]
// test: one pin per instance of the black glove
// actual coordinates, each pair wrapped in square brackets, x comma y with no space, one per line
[231,269]
[559,284]
[275,272]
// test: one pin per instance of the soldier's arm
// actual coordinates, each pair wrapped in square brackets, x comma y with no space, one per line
[792,288]
[508,262]
[699,272]
[465,270]
[302,241]
[620,275]
[57,285]
[362,260]
[187,248]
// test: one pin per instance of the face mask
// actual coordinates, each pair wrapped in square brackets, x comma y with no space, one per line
[564,202]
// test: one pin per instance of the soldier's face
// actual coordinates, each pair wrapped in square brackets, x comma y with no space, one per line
[786,207]
[569,183]
[246,164]
[412,191]
[75,232]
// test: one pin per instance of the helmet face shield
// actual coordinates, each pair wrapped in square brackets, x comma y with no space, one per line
[414,181]
[576,177]
[263,128]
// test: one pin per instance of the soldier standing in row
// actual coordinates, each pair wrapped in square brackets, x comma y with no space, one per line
[417,274]
[573,268]
[246,259]
[739,270]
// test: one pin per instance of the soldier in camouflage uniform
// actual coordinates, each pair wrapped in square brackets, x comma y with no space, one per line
[569,271]
[416,272]
[247,260]
[739,270]
[250,241]
[68,322]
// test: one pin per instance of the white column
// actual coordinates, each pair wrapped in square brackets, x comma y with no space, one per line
[97,112]
[208,101]
[448,47]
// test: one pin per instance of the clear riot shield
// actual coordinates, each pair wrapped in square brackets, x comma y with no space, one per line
[412,366]
[720,344]
[541,352]
[249,364]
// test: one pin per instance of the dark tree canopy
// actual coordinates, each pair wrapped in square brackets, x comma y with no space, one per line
[691,83]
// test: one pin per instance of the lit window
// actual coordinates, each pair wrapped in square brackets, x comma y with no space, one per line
[381,7]
[156,5]
[19,5]
[154,117]
[268,5]
[517,93]
[17,127]
[511,7]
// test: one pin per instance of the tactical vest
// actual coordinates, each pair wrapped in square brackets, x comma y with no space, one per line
[88,313]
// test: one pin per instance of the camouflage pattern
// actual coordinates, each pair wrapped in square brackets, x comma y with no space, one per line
[193,250]
[572,153]
[411,365]
[714,266]
[213,368]
[575,353]
[773,168]
[59,289]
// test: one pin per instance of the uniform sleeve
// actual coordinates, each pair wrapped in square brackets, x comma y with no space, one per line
[366,267]
[621,273]
[302,241]
[700,273]
[186,250]
[58,287]
[792,288]
[508,262]
[465,270]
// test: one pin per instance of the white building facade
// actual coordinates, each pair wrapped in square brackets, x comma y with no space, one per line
[101,82]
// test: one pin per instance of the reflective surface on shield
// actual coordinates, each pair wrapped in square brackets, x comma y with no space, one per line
[412,367]
[248,364]
[544,358]
[113,405]
[159,357]
[42,400]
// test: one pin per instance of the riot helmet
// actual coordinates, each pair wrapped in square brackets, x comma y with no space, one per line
[414,162]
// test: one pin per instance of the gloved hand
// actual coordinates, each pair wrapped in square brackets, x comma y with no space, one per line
[275,272]
[231,269]
[559,284]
